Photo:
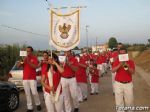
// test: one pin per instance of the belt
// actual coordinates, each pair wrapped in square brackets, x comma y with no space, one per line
[68,77]
[124,82]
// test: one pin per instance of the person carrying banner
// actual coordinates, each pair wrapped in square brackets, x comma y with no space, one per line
[30,64]
[124,69]
[51,82]
[69,83]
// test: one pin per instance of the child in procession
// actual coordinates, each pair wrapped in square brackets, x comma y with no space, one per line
[94,72]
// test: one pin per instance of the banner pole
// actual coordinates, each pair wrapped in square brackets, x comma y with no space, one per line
[50,37]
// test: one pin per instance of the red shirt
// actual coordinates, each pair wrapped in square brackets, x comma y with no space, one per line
[100,59]
[29,73]
[114,56]
[81,72]
[44,68]
[86,57]
[104,58]
[93,56]
[108,54]
[123,75]
[56,78]
[95,76]
[68,72]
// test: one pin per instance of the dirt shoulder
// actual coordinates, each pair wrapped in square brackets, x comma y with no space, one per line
[143,74]
[142,59]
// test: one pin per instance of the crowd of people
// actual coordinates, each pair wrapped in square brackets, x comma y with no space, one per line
[65,83]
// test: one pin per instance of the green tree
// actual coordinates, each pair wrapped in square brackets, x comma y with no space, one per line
[148,45]
[148,41]
[112,43]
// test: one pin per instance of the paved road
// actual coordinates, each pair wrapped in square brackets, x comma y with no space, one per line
[104,102]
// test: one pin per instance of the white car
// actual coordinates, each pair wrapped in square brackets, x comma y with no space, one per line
[16,76]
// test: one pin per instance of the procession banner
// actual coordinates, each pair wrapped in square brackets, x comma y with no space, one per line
[65,30]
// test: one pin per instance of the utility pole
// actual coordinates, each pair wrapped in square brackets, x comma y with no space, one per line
[96,43]
[87,41]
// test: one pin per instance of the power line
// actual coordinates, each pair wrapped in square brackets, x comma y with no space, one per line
[23,30]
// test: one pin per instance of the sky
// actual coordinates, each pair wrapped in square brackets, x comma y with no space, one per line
[126,20]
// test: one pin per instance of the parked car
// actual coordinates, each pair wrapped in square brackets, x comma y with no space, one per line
[9,97]
[16,76]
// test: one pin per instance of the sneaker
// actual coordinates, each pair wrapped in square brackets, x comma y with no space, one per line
[38,107]
[76,110]
[28,110]
[92,93]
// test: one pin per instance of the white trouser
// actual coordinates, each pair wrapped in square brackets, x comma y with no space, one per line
[82,91]
[50,106]
[90,78]
[69,86]
[113,81]
[88,75]
[105,67]
[44,93]
[31,86]
[94,88]
[87,71]
[101,68]
[123,95]
[80,96]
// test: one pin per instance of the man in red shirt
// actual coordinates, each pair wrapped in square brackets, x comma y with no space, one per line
[100,63]
[69,83]
[81,78]
[94,72]
[30,64]
[123,82]
[113,58]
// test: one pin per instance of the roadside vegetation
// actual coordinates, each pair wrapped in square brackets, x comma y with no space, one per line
[8,55]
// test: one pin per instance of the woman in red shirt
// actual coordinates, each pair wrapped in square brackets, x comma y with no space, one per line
[51,82]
